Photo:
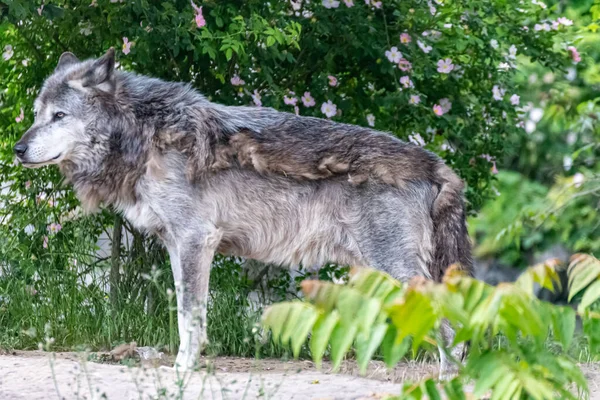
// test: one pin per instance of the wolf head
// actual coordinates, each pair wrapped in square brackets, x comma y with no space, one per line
[69,110]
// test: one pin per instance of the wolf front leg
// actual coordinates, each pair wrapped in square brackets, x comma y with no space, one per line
[191,257]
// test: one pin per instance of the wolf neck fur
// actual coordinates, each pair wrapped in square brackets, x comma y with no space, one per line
[147,115]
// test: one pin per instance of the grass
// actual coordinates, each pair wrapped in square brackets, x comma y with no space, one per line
[77,312]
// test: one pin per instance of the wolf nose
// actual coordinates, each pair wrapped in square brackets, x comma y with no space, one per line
[20,149]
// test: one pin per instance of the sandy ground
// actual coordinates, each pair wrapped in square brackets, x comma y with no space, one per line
[37,375]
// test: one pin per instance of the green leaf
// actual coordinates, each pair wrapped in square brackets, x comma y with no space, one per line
[300,333]
[392,350]
[563,320]
[432,390]
[341,340]
[321,333]
[583,270]
[366,346]
[590,296]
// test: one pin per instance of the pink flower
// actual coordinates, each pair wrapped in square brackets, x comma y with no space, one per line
[348,3]
[574,53]
[564,21]
[237,81]
[446,105]
[21,116]
[371,119]
[54,228]
[406,82]
[256,98]
[332,80]
[414,99]
[376,4]
[393,55]
[290,101]
[40,9]
[296,110]
[45,243]
[308,100]
[492,160]
[404,65]
[514,99]
[126,45]
[329,109]
[200,21]
[405,38]
[331,3]
[94,3]
[438,110]
[445,66]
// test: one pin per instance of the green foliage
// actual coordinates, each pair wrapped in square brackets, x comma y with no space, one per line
[373,310]
[528,217]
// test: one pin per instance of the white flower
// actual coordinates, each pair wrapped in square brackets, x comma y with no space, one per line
[331,3]
[512,52]
[446,105]
[530,126]
[8,52]
[256,98]
[567,163]
[414,99]
[514,99]
[504,66]
[494,43]
[571,74]
[329,109]
[29,229]
[426,49]
[393,55]
[498,92]
[296,5]
[416,138]
[541,27]
[371,119]
[536,114]
[85,28]
[578,179]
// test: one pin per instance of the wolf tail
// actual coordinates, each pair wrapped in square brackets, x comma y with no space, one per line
[451,242]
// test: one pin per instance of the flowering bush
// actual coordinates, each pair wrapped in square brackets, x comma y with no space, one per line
[442,70]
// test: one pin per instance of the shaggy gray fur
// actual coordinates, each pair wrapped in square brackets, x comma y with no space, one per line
[246,181]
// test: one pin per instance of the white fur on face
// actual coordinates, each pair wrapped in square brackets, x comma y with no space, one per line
[53,143]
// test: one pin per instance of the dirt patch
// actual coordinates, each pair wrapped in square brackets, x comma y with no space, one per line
[39,375]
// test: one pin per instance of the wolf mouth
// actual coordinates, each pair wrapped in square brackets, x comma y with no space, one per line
[33,164]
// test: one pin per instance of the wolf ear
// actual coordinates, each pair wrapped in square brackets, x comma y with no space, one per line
[65,60]
[101,74]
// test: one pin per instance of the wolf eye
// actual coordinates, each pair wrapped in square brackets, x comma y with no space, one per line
[59,115]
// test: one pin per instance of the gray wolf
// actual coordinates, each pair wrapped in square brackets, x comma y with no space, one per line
[245,181]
